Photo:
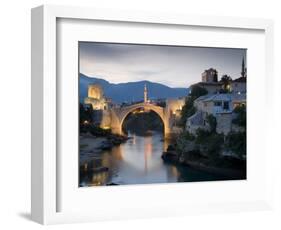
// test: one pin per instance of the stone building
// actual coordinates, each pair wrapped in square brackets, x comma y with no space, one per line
[174,108]
[175,105]
[100,105]
[238,85]
[96,97]
[210,81]
[215,103]
[220,106]
[210,75]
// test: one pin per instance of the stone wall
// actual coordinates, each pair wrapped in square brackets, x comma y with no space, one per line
[106,119]
[224,123]
[95,91]
[175,105]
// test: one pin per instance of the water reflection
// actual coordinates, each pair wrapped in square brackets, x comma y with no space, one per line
[138,161]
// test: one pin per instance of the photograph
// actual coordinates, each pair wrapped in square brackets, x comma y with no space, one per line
[151,113]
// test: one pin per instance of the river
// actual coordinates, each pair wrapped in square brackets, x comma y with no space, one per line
[138,161]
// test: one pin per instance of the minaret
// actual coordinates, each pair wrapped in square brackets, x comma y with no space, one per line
[145,94]
[243,70]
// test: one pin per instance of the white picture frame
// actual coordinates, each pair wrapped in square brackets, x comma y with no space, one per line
[45,207]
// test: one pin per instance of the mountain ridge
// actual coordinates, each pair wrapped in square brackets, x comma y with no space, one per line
[129,91]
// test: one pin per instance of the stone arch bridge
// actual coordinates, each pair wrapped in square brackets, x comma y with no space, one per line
[118,115]
[113,118]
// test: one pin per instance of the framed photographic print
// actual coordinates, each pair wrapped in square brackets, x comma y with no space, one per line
[138,114]
[140,126]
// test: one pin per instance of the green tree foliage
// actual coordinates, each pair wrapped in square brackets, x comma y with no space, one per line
[188,109]
[212,142]
[86,122]
[214,145]
[241,117]
[212,121]
[236,142]
[226,80]
[187,136]
[201,136]
[197,91]
[85,113]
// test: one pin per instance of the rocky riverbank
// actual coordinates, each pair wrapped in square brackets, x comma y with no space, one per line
[229,167]
[92,146]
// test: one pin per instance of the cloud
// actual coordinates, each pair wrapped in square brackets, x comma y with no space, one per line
[170,65]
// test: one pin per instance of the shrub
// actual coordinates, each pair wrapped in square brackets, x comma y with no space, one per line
[188,109]
[212,121]
[197,91]
[214,145]
[241,117]
[226,80]
[188,136]
[85,114]
[211,142]
[236,142]
[202,136]
[97,131]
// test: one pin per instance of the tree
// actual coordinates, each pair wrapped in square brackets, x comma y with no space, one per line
[197,91]
[241,117]
[237,142]
[226,80]
[188,109]
[85,113]
[212,121]
[211,142]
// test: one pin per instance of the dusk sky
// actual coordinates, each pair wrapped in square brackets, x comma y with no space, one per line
[174,66]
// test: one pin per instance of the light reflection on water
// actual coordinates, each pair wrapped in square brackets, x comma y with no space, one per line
[138,161]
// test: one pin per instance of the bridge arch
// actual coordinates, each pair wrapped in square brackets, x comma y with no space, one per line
[125,111]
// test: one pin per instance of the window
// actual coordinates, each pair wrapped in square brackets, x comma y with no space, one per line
[217,103]
[226,105]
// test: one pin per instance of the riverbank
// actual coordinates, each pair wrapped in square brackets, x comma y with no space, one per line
[91,146]
[203,164]
[231,173]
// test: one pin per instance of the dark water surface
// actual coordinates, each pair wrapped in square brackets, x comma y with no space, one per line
[138,161]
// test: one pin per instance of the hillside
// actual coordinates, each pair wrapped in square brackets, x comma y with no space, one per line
[130,91]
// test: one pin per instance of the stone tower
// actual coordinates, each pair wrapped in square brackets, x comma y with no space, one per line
[95,91]
[145,94]
[210,75]
[96,97]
